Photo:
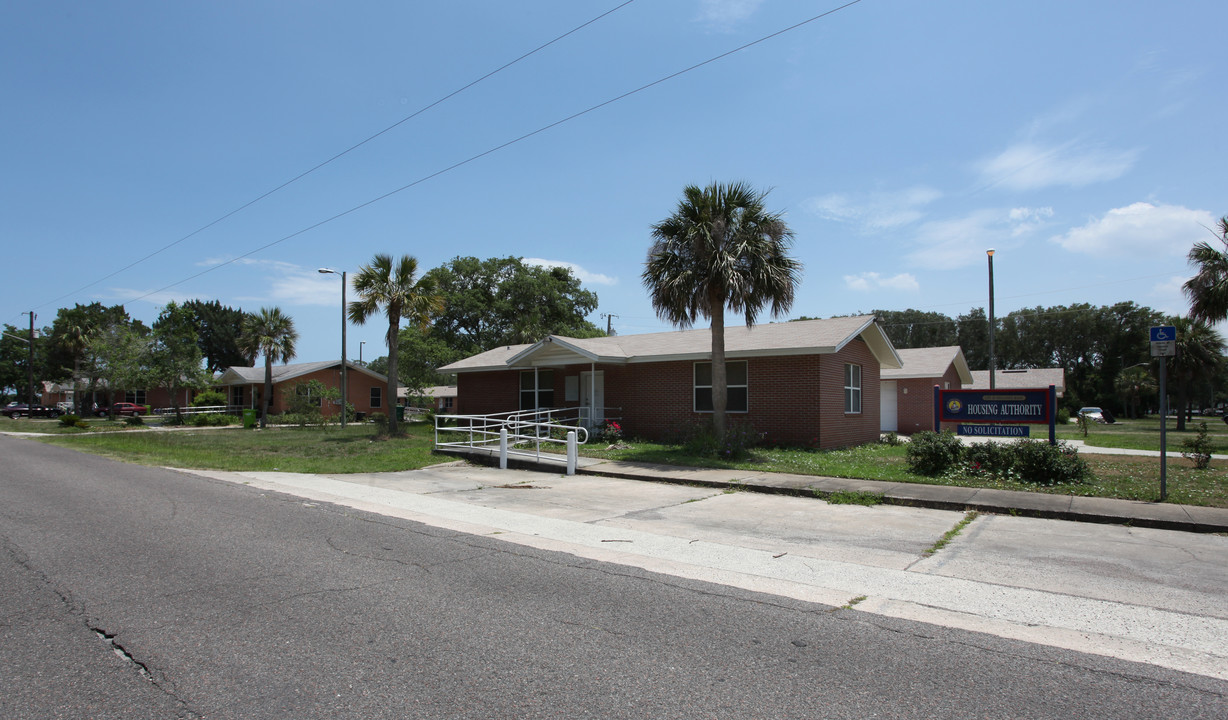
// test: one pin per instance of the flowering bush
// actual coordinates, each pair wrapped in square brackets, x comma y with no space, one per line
[611,432]
[740,437]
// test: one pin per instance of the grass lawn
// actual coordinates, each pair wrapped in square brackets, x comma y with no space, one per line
[1144,434]
[1116,476]
[289,449]
[332,450]
[48,426]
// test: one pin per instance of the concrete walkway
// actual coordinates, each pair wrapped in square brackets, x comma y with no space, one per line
[1168,516]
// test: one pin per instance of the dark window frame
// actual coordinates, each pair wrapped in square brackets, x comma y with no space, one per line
[737,394]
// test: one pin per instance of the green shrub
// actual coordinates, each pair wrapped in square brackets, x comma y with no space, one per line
[209,398]
[72,420]
[378,418]
[988,458]
[740,437]
[1038,462]
[1198,448]
[173,418]
[890,438]
[134,420]
[1063,416]
[933,453]
[81,425]
[214,420]
[610,432]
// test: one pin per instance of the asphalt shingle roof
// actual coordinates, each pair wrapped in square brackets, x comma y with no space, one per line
[786,338]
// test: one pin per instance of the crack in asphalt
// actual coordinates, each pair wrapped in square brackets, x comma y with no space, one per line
[77,610]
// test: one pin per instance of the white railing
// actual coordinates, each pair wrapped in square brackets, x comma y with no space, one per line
[201,410]
[513,433]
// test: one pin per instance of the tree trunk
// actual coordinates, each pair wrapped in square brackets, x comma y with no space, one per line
[394,331]
[268,392]
[720,390]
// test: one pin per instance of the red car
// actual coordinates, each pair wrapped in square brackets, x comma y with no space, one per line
[126,408]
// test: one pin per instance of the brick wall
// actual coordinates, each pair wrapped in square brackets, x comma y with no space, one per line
[916,408]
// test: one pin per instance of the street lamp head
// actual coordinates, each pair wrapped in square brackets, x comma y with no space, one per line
[326,271]
[988,252]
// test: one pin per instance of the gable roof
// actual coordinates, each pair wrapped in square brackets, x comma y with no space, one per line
[1031,378]
[241,375]
[806,337]
[929,363]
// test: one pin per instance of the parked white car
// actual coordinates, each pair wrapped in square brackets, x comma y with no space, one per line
[1093,414]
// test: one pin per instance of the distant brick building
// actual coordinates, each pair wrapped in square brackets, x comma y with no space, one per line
[908,391]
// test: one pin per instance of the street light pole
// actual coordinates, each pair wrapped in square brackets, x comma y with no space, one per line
[992,381]
[360,344]
[344,392]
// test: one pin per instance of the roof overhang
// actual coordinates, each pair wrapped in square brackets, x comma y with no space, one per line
[553,351]
[878,342]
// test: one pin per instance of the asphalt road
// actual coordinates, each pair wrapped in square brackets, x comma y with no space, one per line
[137,592]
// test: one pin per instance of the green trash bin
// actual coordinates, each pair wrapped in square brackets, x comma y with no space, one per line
[400,413]
[249,418]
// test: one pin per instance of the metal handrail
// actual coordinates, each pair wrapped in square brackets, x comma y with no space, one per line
[523,426]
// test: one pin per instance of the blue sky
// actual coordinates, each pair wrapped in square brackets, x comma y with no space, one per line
[1084,141]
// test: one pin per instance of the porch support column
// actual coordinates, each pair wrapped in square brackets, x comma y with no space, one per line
[592,394]
[536,388]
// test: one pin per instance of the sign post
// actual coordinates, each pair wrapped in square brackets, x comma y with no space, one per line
[1163,346]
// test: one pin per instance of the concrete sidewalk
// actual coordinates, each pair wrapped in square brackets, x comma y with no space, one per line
[1167,516]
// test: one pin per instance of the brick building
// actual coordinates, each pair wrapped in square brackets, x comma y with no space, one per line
[907,392]
[813,382]
[365,389]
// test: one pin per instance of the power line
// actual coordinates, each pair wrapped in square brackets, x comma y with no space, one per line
[341,154]
[499,147]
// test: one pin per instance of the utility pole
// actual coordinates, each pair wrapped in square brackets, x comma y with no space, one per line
[609,324]
[30,363]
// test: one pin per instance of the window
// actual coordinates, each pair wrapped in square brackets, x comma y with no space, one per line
[447,403]
[852,388]
[236,395]
[736,390]
[545,389]
[376,397]
[135,396]
[305,391]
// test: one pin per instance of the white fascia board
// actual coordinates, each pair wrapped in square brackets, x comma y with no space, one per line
[880,345]
[524,357]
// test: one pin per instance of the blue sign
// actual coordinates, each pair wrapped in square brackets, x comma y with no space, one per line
[994,406]
[1163,333]
[1013,431]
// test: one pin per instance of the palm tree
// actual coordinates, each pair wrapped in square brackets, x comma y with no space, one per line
[270,333]
[1200,350]
[402,295]
[1132,385]
[1208,289]
[720,249]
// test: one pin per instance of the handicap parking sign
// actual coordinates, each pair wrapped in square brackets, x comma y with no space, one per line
[1163,333]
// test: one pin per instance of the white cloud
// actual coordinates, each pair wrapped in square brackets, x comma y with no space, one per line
[1030,166]
[962,241]
[584,275]
[867,281]
[722,14]
[874,211]
[1141,229]
[1168,297]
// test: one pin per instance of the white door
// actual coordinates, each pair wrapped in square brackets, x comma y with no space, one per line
[889,419]
[592,395]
